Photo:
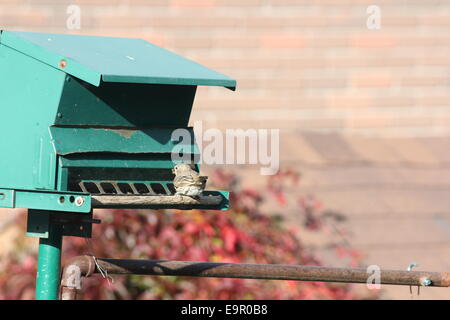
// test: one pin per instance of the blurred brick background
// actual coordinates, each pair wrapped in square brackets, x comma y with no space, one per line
[300,64]
[364,114]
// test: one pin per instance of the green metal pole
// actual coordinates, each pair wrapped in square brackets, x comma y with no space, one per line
[49,265]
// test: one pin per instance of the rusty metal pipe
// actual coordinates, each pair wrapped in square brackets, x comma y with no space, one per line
[73,272]
[268,272]
[260,271]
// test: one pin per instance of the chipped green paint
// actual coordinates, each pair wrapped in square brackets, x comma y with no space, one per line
[131,141]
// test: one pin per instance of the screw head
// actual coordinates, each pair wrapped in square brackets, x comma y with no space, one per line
[425,281]
[79,201]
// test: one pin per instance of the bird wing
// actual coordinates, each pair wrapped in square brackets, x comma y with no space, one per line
[200,181]
[183,181]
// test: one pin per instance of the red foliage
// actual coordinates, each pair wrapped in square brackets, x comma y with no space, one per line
[242,234]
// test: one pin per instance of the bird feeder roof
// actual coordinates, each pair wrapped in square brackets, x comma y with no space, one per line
[110,59]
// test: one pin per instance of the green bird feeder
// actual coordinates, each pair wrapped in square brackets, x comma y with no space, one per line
[87,122]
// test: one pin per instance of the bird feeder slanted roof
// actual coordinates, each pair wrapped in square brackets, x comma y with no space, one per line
[110,59]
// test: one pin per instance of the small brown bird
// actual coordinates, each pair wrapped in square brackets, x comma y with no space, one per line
[187,181]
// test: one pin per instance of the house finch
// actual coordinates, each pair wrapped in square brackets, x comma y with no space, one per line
[187,181]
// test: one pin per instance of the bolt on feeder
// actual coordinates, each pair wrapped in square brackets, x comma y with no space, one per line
[87,123]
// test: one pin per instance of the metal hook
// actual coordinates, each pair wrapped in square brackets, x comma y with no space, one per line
[409,268]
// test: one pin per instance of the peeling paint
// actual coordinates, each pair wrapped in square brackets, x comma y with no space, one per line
[126,133]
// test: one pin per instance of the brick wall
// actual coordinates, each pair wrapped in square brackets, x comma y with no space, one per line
[313,65]
[300,64]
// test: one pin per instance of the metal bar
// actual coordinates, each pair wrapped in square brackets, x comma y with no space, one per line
[150,189]
[66,201]
[133,188]
[87,265]
[270,272]
[49,263]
